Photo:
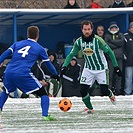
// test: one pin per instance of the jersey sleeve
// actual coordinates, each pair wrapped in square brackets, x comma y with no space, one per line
[107,49]
[73,52]
[46,60]
[5,55]
[43,55]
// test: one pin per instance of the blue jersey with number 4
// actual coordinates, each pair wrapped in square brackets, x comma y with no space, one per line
[24,55]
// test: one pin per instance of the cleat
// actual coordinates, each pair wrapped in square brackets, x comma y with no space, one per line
[112,98]
[49,118]
[85,109]
[89,111]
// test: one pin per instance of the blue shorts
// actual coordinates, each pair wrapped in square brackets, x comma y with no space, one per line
[27,83]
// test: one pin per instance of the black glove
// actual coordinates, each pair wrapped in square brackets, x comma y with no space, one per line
[56,77]
[118,71]
[63,70]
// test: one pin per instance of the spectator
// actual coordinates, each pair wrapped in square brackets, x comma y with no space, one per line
[71,4]
[100,31]
[115,40]
[128,60]
[54,86]
[95,4]
[60,49]
[70,80]
[131,14]
[117,4]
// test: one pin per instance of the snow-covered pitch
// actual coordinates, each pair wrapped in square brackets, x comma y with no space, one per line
[24,116]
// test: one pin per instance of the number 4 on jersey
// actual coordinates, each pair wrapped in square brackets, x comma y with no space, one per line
[24,51]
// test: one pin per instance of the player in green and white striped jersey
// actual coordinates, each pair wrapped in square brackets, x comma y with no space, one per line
[93,48]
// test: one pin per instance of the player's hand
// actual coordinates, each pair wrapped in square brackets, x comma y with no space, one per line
[63,70]
[1,64]
[118,71]
[56,77]
[43,82]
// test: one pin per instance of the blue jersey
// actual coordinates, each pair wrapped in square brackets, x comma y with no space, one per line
[18,72]
[24,55]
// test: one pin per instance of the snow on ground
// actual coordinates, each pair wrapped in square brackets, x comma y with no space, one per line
[24,116]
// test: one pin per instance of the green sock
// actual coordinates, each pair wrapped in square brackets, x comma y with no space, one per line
[87,101]
[111,93]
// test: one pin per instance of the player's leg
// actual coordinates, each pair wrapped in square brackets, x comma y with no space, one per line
[8,87]
[107,92]
[3,98]
[86,80]
[28,84]
[102,78]
[44,100]
[86,98]
[42,92]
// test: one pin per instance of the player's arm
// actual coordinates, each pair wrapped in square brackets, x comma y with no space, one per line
[5,55]
[73,52]
[107,49]
[51,67]
[46,60]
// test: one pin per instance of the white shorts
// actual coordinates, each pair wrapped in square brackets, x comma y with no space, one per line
[89,76]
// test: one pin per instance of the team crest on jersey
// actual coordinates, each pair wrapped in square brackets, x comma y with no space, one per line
[88,51]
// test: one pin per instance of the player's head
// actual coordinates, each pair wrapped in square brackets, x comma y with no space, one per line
[33,32]
[87,28]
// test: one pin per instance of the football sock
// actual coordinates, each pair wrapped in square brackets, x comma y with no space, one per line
[3,98]
[45,105]
[111,93]
[87,101]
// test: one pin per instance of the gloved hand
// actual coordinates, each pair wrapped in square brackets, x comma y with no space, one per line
[118,71]
[63,70]
[56,77]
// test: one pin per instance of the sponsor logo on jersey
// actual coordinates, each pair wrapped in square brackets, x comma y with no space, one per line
[88,51]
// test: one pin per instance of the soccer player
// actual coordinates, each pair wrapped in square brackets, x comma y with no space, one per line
[95,67]
[18,72]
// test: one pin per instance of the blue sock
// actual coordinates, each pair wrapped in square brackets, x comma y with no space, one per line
[3,98]
[45,105]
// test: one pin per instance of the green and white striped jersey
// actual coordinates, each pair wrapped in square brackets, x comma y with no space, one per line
[93,53]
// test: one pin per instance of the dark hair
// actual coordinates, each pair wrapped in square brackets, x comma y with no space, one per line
[32,32]
[100,26]
[68,6]
[86,22]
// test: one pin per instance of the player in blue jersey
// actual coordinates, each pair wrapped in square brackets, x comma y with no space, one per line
[18,72]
